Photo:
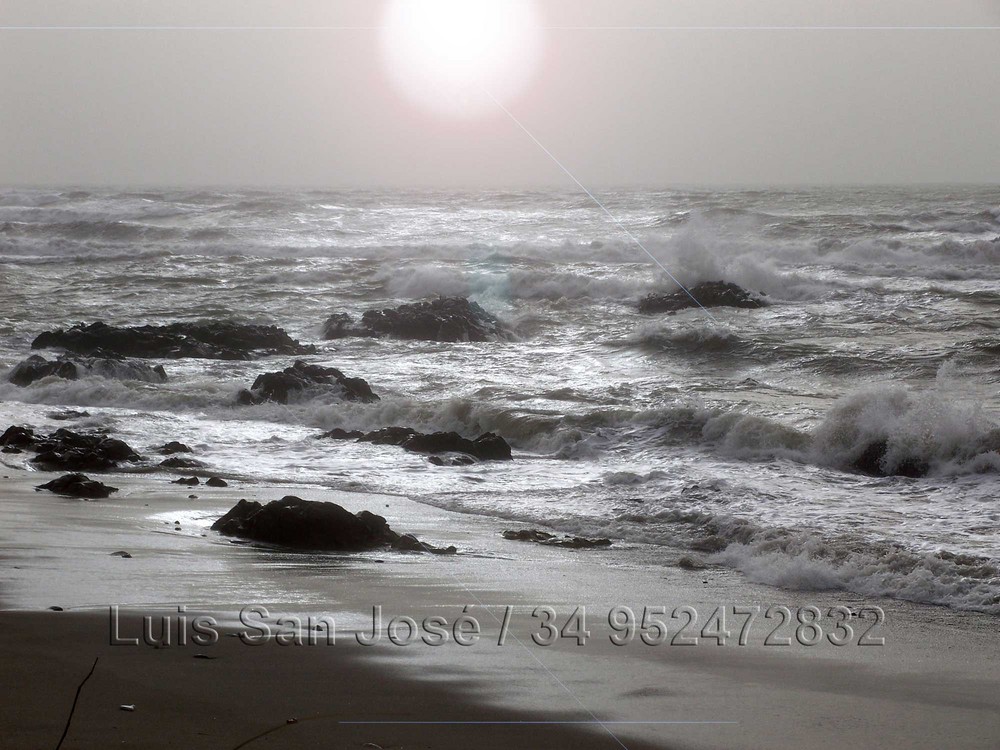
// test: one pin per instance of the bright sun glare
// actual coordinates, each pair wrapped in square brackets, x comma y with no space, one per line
[443,54]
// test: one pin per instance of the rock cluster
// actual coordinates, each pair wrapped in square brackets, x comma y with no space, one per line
[207,339]
[70,451]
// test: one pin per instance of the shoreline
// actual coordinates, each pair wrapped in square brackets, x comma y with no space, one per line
[933,674]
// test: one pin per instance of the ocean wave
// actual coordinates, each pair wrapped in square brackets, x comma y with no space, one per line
[928,429]
[802,561]
[788,558]
[514,283]
[698,338]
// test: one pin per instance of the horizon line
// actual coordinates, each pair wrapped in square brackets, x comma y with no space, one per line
[544,28]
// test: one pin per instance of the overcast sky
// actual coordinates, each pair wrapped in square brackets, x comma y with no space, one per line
[618,107]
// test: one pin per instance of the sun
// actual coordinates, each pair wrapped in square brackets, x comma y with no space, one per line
[445,55]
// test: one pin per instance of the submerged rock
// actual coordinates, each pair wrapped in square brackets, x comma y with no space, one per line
[338,434]
[487,447]
[709,294]
[173,447]
[551,540]
[460,460]
[207,339]
[442,319]
[187,481]
[306,524]
[75,451]
[278,386]
[78,485]
[71,367]
[69,414]
[872,461]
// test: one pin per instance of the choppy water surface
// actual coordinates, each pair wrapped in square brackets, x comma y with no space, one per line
[729,436]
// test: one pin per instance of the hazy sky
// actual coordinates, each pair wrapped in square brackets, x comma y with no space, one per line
[618,106]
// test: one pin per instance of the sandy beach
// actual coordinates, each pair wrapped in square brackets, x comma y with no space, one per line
[931,684]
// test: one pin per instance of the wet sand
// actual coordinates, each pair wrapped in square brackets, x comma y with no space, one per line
[932,684]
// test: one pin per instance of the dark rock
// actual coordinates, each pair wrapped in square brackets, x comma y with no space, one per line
[187,481]
[75,451]
[442,319]
[78,485]
[278,386]
[36,367]
[216,482]
[491,447]
[409,543]
[338,434]
[389,436]
[208,339]
[180,462]
[10,449]
[122,553]
[305,524]
[71,367]
[709,294]
[339,326]
[173,447]
[551,540]
[487,447]
[18,437]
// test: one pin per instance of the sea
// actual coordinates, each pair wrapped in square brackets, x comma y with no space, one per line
[725,436]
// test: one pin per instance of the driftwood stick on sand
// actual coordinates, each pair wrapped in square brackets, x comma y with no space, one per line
[75,699]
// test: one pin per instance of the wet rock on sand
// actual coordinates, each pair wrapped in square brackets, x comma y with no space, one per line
[207,339]
[181,462]
[551,540]
[78,485]
[306,524]
[279,386]
[709,294]
[443,319]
